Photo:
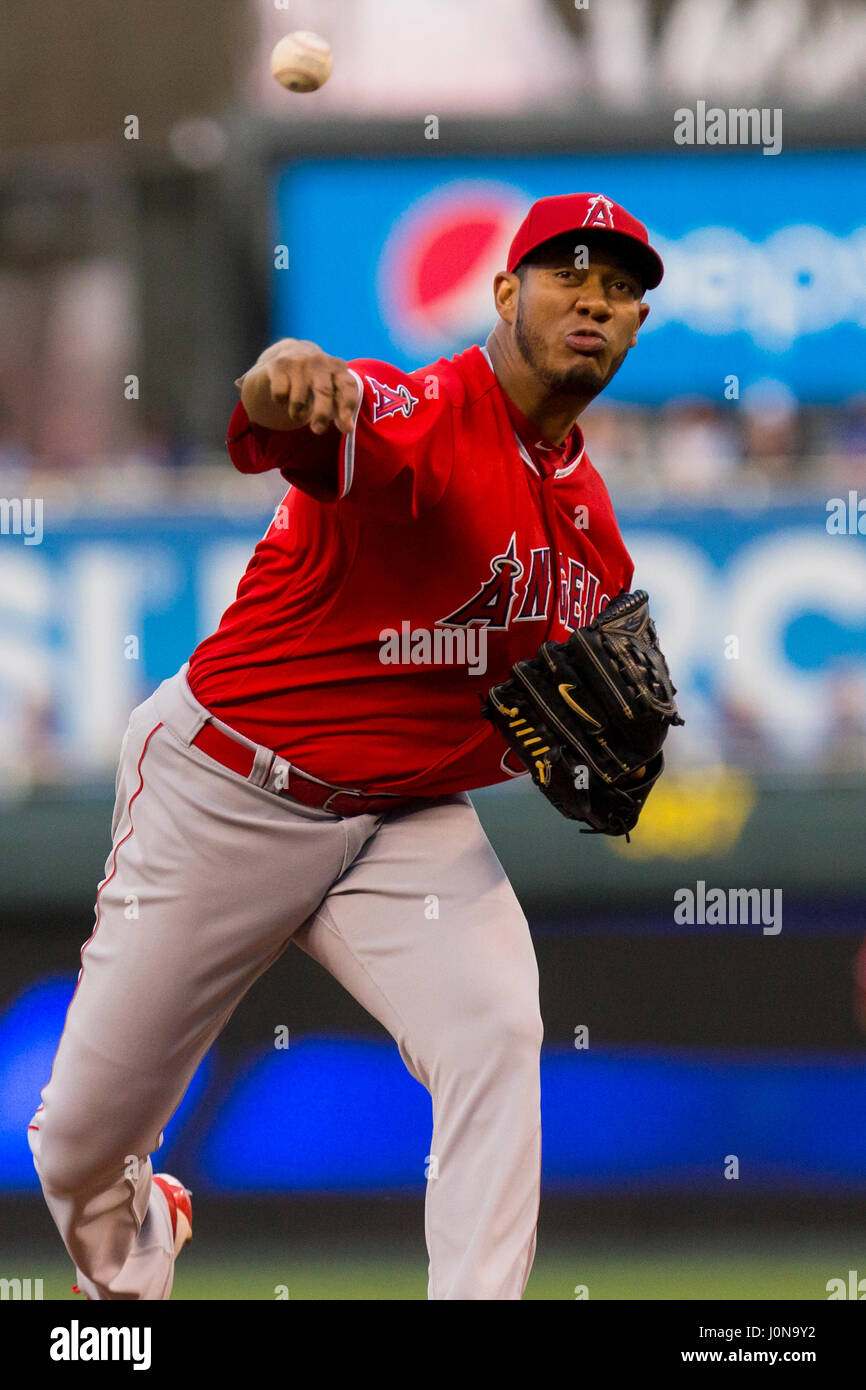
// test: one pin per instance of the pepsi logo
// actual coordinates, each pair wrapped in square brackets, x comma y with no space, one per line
[435,277]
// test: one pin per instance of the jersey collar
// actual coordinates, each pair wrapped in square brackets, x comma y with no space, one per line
[542,456]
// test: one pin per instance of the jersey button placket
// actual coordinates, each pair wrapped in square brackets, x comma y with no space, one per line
[548,507]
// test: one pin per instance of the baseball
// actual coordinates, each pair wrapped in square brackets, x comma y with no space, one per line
[302,62]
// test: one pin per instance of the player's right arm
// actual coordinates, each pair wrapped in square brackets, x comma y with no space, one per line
[295,384]
[335,429]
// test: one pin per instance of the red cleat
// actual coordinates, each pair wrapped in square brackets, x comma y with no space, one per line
[180,1207]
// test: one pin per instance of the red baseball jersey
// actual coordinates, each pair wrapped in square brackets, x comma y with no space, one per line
[411,563]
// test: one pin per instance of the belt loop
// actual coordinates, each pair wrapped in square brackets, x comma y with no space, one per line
[277,779]
[261,769]
[178,708]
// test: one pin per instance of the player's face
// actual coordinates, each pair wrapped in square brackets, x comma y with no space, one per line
[573,326]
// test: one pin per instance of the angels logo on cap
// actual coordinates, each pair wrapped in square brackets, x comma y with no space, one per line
[569,212]
[600,212]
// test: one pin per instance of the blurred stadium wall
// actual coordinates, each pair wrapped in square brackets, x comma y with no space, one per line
[137,279]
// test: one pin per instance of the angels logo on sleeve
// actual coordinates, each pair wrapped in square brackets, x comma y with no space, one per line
[391,400]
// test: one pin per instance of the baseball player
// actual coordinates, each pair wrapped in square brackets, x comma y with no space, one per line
[305,777]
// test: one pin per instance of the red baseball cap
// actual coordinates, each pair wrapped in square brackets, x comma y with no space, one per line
[576,212]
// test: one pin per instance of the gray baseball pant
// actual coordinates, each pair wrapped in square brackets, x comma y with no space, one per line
[209,878]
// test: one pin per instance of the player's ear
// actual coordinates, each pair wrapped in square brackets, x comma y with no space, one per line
[643,310]
[506,289]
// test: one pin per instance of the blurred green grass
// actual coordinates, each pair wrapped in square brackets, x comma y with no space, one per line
[695,1268]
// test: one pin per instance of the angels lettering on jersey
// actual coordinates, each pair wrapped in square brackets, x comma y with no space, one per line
[579,597]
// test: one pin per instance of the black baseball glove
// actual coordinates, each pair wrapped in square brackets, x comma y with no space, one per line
[588,717]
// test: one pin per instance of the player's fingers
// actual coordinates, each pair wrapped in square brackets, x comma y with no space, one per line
[299,404]
[279,382]
[293,379]
[346,390]
[324,405]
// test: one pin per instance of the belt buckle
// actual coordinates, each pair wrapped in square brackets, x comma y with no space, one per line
[340,792]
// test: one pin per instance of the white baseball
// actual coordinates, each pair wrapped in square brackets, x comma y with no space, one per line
[302,62]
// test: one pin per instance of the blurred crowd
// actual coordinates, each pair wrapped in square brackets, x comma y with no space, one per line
[741,739]
[767,442]
[692,449]
[76,429]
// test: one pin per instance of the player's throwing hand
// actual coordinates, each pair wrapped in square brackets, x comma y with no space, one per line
[294,383]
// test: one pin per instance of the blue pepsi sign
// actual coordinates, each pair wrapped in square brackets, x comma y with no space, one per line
[765,261]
